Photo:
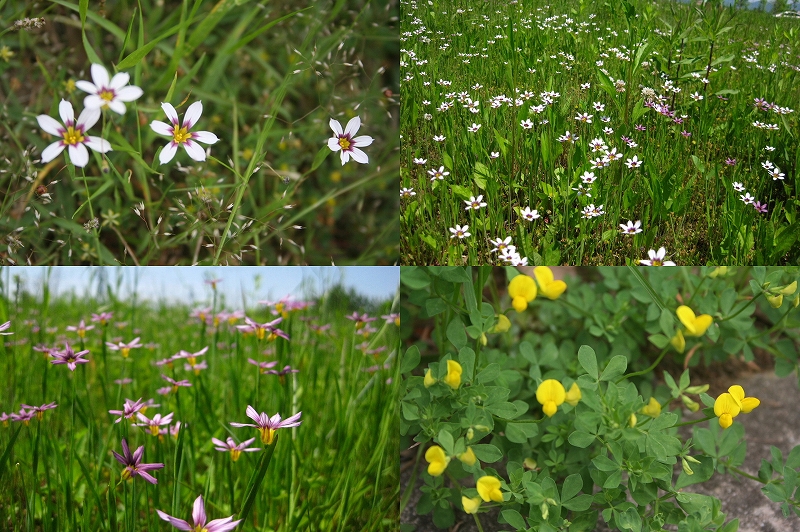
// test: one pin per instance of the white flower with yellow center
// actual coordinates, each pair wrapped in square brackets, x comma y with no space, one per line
[108,94]
[347,143]
[72,134]
[181,136]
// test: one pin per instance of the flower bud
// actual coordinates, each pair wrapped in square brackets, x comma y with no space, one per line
[529,463]
[686,468]
[796,301]
[429,380]
[691,405]
[468,457]
[503,324]
[632,421]
[470,433]
[692,459]
[545,510]
[483,428]
[789,289]
[483,339]
[697,390]
[774,301]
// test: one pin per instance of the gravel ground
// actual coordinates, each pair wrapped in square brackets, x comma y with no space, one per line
[776,422]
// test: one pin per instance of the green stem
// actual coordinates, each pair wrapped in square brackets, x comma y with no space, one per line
[648,370]
[693,422]
[478,522]
[742,309]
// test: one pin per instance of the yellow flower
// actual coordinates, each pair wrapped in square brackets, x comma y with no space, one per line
[789,289]
[550,395]
[774,301]
[470,505]
[468,457]
[503,324]
[521,290]
[653,408]
[746,404]
[550,289]
[437,460]
[720,270]
[429,380]
[453,377]
[695,325]
[678,341]
[489,489]
[726,408]
[573,395]
[632,421]
[6,53]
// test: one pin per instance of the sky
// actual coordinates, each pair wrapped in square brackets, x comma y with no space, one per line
[241,285]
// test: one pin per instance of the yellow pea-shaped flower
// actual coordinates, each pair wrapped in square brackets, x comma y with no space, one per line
[573,395]
[428,381]
[453,377]
[746,404]
[726,408]
[678,341]
[653,408]
[470,505]
[695,325]
[521,290]
[489,489]
[549,288]
[551,395]
[437,460]
[468,457]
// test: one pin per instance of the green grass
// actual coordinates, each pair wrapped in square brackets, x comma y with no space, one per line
[270,77]
[337,471]
[683,192]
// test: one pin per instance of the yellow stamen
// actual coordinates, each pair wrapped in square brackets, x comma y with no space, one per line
[106,95]
[73,136]
[344,142]
[267,435]
[125,352]
[154,430]
[235,454]
[180,135]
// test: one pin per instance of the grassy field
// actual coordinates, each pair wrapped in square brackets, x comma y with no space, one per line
[336,471]
[596,132]
[270,77]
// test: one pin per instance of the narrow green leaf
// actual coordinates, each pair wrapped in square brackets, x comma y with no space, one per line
[7,452]
[256,479]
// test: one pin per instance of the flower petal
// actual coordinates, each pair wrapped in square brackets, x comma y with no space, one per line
[99,76]
[199,512]
[193,114]
[222,525]
[161,128]
[85,86]
[363,140]
[171,113]
[98,144]
[195,151]
[359,156]
[180,524]
[88,118]
[345,156]
[93,101]
[168,153]
[66,113]
[52,151]
[117,106]
[333,144]
[253,414]
[119,80]
[79,155]
[352,126]
[147,476]
[206,137]
[50,125]
[128,94]
[336,127]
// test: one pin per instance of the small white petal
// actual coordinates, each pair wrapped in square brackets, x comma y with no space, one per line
[85,86]
[206,137]
[193,114]
[66,112]
[98,144]
[161,128]
[345,156]
[88,118]
[100,75]
[50,125]
[79,155]
[52,151]
[171,113]
[94,101]
[352,126]
[168,153]
[336,127]
[117,106]
[128,94]
[333,144]
[195,151]
[119,80]
[363,140]
[359,156]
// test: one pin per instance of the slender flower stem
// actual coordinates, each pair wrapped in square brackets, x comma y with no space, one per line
[647,370]
[693,422]
[478,522]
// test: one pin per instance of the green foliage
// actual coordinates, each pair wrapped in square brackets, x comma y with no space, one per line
[609,456]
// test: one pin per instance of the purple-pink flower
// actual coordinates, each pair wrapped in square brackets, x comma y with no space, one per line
[268,425]
[199,520]
[154,423]
[261,329]
[134,466]
[175,384]
[124,348]
[39,410]
[4,327]
[69,357]
[234,449]
[81,329]
[129,409]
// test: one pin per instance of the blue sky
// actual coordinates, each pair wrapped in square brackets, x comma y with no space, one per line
[241,284]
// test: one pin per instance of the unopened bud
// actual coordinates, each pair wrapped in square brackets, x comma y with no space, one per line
[483,340]
[789,289]
[503,324]
[470,433]
[697,390]
[691,405]
[529,463]
[775,301]
[686,468]
[692,459]
[545,510]
[632,421]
